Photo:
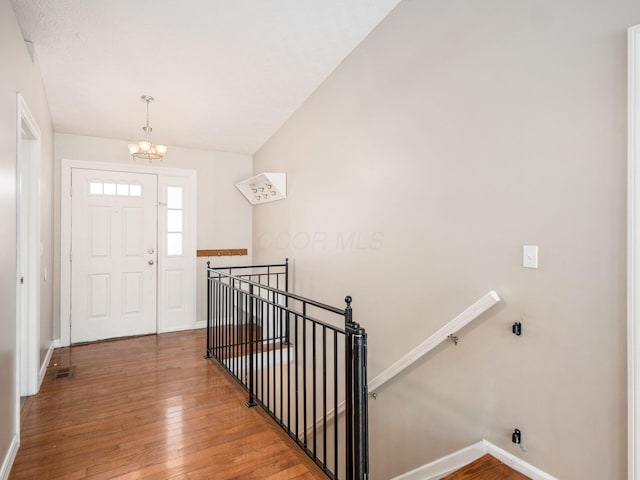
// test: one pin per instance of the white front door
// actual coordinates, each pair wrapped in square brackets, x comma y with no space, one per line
[113,254]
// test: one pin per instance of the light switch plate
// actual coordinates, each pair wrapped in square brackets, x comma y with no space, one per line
[530,256]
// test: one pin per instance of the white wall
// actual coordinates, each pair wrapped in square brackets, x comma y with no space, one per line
[457,132]
[19,74]
[224,216]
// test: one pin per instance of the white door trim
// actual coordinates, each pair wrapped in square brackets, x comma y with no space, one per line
[28,249]
[633,254]
[65,226]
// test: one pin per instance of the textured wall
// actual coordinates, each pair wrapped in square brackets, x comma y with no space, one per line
[19,74]
[457,132]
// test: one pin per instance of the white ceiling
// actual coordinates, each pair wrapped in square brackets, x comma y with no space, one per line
[226,74]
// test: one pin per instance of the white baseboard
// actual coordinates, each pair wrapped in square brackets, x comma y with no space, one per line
[450,463]
[516,463]
[57,343]
[45,363]
[445,465]
[182,328]
[10,456]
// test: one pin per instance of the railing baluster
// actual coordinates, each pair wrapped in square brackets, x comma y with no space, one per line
[295,324]
[313,390]
[335,402]
[228,323]
[304,371]
[223,320]
[219,319]
[273,357]
[280,323]
[288,379]
[324,394]
[267,355]
[234,330]
[251,402]
[262,330]
[216,308]
[247,353]
[241,340]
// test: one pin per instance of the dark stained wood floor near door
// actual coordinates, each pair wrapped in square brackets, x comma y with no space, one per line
[150,408]
[486,468]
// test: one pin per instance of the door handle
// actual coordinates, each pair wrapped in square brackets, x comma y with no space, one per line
[150,262]
[151,250]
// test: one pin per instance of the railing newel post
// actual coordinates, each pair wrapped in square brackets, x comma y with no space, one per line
[348,378]
[208,353]
[356,398]
[361,412]
[286,298]
[286,275]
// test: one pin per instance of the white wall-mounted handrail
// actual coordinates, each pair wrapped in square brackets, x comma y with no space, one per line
[456,324]
[453,326]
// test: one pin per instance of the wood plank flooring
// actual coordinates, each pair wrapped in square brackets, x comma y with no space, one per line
[150,408]
[486,468]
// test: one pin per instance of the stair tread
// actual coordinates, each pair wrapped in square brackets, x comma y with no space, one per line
[486,467]
[235,339]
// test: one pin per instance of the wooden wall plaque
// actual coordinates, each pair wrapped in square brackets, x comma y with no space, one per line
[225,252]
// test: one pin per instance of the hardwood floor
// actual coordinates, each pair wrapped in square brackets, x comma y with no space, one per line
[150,408]
[486,468]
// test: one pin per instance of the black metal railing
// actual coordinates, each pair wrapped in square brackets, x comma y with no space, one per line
[302,361]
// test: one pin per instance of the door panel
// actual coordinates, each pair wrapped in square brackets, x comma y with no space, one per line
[113,260]
[99,294]
[100,231]
[133,234]
[175,295]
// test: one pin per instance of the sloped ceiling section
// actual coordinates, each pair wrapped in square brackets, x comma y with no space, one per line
[226,74]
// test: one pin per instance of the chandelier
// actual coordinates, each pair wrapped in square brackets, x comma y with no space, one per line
[144,148]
